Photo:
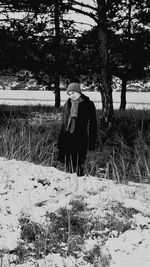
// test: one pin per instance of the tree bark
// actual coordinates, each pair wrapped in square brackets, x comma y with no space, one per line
[123,94]
[57,53]
[106,76]
[126,75]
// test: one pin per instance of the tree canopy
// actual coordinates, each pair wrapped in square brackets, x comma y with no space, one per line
[40,35]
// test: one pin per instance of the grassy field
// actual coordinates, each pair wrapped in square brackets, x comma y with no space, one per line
[122,152]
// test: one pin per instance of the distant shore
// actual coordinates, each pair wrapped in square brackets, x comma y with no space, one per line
[137,100]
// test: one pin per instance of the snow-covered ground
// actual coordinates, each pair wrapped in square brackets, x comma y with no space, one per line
[35,190]
[138,100]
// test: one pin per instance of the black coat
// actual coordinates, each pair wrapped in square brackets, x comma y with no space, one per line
[84,136]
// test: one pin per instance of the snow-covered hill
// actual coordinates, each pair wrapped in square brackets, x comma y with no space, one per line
[107,224]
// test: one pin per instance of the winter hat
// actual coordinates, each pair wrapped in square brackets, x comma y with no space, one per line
[74,87]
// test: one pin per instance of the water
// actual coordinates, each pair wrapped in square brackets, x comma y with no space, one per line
[136,100]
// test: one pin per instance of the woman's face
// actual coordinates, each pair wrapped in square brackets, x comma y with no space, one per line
[74,95]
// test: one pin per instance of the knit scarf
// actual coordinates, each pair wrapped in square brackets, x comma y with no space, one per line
[70,115]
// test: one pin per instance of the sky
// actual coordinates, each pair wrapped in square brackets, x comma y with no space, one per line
[86,20]
[83,22]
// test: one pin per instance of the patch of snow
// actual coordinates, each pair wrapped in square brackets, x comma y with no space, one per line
[130,249]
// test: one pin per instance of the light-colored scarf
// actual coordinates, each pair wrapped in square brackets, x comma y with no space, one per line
[73,115]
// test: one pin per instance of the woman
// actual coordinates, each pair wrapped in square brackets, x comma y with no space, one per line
[78,130]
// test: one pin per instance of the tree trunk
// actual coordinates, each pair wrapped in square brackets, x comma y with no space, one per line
[124,79]
[106,76]
[57,55]
[123,94]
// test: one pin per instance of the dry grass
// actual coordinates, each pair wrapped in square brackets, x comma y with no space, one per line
[122,153]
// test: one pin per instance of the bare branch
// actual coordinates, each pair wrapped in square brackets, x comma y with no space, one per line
[82,23]
[6,20]
[84,5]
[89,14]
[76,22]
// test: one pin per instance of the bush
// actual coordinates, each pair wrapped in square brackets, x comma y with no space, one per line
[63,232]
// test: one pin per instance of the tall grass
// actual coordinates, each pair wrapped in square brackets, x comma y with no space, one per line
[23,142]
[124,149]
[129,164]
[122,152]
[23,137]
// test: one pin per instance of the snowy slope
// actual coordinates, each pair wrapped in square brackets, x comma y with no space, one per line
[122,211]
